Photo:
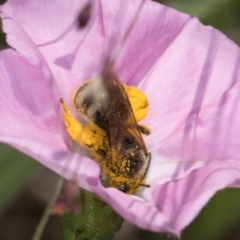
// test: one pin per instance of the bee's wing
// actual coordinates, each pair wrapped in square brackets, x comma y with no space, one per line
[121,119]
[105,102]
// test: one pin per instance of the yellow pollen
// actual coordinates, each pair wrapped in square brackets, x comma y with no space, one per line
[95,139]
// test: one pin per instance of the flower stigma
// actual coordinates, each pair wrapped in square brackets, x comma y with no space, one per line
[111,133]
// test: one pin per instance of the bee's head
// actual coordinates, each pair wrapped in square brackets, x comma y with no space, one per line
[124,184]
[124,188]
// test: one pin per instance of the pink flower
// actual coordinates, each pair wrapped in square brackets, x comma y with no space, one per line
[188,71]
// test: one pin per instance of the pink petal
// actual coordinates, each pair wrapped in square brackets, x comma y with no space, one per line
[83,52]
[189,73]
[51,25]
[153,31]
[236,184]
[181,201]
[29,108]
[31,121]
[163,169]
[194,92]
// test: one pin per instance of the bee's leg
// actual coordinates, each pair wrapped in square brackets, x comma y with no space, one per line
[145,185]
[139,102]
[144,130]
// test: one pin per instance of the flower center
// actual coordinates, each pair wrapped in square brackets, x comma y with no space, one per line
[111,133]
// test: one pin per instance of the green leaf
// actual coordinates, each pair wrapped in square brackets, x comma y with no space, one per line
[221,14]
[96,220]
[200,8]
[218,220]
[15,168]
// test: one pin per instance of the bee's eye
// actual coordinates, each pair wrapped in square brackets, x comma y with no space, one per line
[124,188]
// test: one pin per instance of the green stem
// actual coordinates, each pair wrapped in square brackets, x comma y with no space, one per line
[41,226]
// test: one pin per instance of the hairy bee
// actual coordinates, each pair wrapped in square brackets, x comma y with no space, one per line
[124,156]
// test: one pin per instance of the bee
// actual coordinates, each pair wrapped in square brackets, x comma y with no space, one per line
[124,157]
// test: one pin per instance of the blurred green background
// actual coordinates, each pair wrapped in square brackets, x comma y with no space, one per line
[25,186]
